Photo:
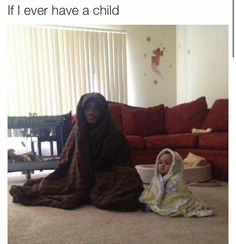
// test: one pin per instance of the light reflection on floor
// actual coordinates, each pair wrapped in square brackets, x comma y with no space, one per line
[20,177]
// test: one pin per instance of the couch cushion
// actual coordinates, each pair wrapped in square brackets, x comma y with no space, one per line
[217,118]
[143,121]
[185,140]
[214,141]
[115,110]
[183,117]
[136,142]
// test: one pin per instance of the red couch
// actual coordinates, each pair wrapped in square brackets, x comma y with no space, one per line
[149,130]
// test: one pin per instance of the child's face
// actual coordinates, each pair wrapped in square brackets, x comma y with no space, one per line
[165,162]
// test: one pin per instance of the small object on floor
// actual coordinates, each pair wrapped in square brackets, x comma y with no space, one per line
[193,160]
[196,169]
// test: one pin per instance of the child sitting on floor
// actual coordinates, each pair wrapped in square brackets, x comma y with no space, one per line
[167,193]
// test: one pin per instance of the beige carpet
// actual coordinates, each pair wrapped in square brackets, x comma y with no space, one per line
[88,225]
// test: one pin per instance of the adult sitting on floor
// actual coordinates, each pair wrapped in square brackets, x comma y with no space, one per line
[94,167]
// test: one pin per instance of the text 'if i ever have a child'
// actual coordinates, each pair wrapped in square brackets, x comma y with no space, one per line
[53,10]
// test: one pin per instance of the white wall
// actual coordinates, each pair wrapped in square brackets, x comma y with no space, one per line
[142,91]
[202,62]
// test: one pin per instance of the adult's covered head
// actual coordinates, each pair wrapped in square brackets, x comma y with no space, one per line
[92,109]
[99,137]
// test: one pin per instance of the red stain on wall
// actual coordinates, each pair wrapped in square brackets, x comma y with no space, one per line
[156,60]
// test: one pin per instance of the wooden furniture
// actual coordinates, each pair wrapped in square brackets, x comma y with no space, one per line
[28,167]
[49,139]
[46,128]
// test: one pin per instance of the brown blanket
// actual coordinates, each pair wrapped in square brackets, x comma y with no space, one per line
[94,168]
